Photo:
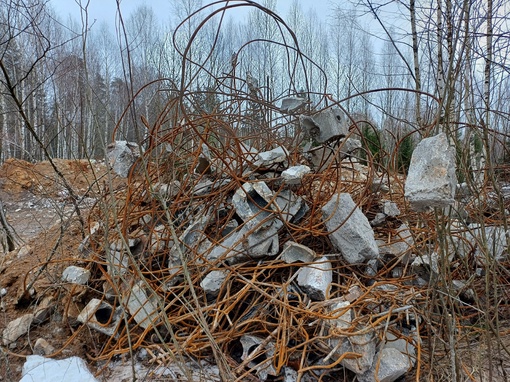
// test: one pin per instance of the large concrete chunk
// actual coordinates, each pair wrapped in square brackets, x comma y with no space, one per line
[101,316]
[270,157]
[121,155]
[17,328]
[253,204]
[432,181]
[362,344]
[142,307]
[325,125]
[291,104]
[350,231]
[294,174]
[389,365]
[213,281]
[294,252]
[41,369]
[315,279]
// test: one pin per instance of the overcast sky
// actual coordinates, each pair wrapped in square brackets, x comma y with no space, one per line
[105,10]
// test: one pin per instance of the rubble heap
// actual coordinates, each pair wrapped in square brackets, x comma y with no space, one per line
[259,253]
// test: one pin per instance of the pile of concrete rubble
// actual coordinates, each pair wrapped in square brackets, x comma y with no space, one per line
[296,262]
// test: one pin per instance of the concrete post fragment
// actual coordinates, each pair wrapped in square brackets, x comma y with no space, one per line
[213,281]
[250,344]
[350,231]
[41,369]
[293,252]
[389,365]
[17,328]
[101,316]
[362,344]
[431,181]
[267,158]
[291,104]
[142,307]
[315,279]
[76,275]
[294,174]
[324,125]
[253,204]
[292,207]
[321,156]
[121,155]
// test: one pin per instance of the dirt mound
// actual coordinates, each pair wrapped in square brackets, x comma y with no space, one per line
[41,178]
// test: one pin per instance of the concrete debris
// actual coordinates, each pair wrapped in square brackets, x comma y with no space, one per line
[389,365]
[17,328]
[315,279]
[101,316]
[117,263]
[142,307]
[121,156]
[76,275]
[291,206]
[43,347]
[41,369]
[465,292]
[268,158]
[401,245]
[350,231]
[167,191]
[431,181]
[425,264]
[378,220]
[294,175]
[322,156]
[293,252]
[325,125]
[292,104]
[43,311]
[496,239]
[390,208]
[253,204]
[362,344]
[344,320]
[402,345]
[213,282]
[229,227]
[255,347]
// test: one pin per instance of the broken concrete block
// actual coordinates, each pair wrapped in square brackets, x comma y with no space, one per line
[211,284]
[431,181]
[117,263]
[101,316]
[378,220]
[293,252]
[344,320]
[263,369]
[292,104]
[350,231]
[43,310]
[192,242]
[42,347]
[362,344]
[425,264]
[167,191]
[315,279]
[229,227]
[466,293]
[294,174]
[292,207]
[140,305]
[119,245]
[389,365]
[41,369]
[402,345]
[390,208]
[324,125]
[76,275]
[322,156]
[253,204]
[17,328]
[121,156]
[267,158]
